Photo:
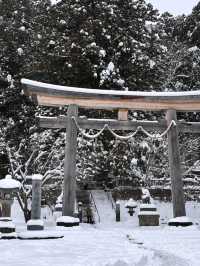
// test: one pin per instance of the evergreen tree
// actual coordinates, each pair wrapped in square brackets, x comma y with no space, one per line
[100,44]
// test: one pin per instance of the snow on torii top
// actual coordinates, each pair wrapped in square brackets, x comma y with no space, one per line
[56,95]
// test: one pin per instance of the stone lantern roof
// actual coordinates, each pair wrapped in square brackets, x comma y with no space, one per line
[8,184]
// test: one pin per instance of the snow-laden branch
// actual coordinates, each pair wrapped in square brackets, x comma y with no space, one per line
[28,162]
[50,173]
[190,169]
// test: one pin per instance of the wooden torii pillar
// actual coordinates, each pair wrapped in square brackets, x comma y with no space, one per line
[175,167]
[69,191]
[53,95]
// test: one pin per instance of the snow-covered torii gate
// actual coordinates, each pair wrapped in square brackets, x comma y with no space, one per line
[171,102]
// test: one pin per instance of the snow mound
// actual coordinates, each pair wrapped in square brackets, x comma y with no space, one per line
[39,235]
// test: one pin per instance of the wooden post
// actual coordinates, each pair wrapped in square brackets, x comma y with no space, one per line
[69,192]
[36,198]
[175,167]
[123,115]
[117,211]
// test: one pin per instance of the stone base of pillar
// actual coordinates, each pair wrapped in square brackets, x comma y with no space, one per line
[180,221]
[35,225]
[6,225]
[67,221]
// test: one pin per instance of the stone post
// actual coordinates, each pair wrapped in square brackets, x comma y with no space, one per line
[36,223]
[117,211]
[175,167]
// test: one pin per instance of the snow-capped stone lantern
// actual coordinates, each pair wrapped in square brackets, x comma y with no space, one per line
[146,198]
[131,205]
[8,188]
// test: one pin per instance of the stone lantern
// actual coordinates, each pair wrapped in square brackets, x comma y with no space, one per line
[8,188]
[131,205]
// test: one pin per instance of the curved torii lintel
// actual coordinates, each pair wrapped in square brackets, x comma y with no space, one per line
[55,95]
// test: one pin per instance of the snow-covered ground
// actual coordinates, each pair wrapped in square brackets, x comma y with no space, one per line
[109,244]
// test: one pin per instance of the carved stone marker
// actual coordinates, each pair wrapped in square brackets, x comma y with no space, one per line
[36,223]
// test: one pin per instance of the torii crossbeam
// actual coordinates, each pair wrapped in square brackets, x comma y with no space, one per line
[54,95]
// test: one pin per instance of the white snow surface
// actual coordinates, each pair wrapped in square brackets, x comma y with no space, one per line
[54,2]
[112,244]
[104,207]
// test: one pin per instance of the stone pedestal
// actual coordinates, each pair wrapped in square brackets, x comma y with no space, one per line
[36,223]
[6,225]
[67,221]
[180,221]
[148,218]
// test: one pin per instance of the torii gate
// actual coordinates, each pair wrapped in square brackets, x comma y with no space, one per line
[171,102]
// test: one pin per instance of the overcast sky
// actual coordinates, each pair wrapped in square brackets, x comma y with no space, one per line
[176,7]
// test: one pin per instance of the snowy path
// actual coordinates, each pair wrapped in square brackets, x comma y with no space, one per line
[104,206]
[108,244]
